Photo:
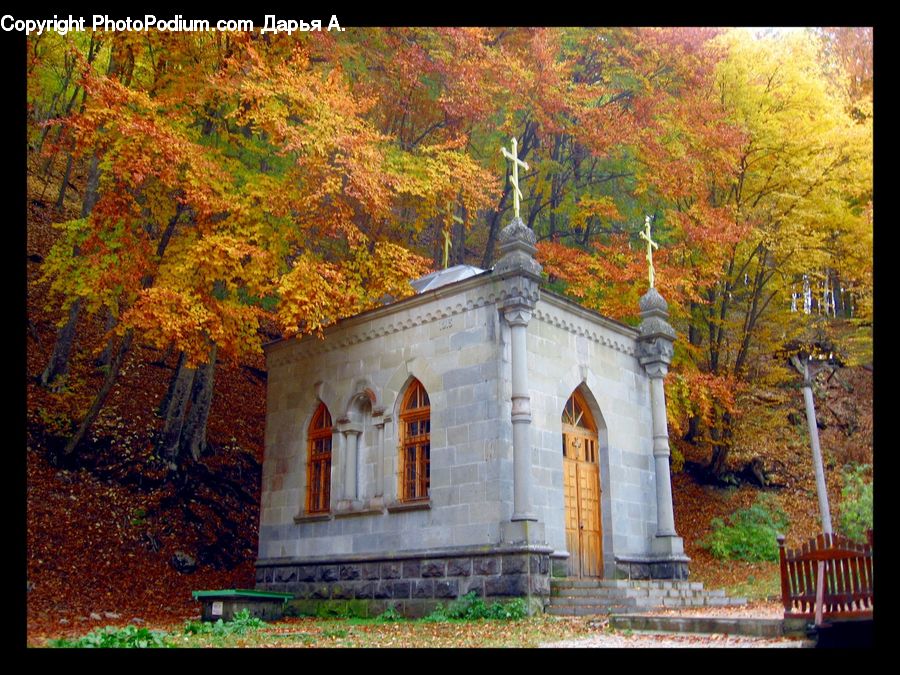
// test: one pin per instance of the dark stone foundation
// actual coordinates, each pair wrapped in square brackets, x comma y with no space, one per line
[411,582]
[645,568]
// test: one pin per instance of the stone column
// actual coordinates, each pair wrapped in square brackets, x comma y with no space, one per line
[389,456]
[379,449]
[378,417]
[655,353]
[351,438]
[518,318]
[520,275]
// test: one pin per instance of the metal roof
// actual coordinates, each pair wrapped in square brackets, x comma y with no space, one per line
[443,277]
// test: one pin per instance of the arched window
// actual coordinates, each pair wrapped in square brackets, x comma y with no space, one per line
[415,443]
[579,423]
[318,465]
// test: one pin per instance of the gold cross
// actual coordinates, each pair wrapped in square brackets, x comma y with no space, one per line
[516,163]
[645,235]
[447,244]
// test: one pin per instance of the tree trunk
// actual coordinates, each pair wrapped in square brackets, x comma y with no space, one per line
[59,359]
[693,432]
[113,372]
[100,399]
[721,434]
[164,358]
[106,354]
[717,462]
[166,403]
[67,175]
[91,188]
[493,231]
[171,435]
[93,49]
[193,437]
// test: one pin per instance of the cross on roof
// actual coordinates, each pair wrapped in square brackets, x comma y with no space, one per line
[516,163]
[645,235]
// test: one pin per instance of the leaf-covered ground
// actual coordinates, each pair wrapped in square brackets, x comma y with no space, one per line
[549,632]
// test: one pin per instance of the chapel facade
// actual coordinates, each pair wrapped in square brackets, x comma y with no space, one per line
[484,434]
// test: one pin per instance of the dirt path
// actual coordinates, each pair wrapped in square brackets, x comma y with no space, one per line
[605,638]
[619,640]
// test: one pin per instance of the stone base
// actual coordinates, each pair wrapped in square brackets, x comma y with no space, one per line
[668,546]
[559,564]
[652,567]
[523,532]
[411,581]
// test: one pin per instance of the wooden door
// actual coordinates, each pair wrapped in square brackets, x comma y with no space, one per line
[581,479]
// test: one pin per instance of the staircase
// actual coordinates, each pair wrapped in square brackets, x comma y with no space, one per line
[585,597]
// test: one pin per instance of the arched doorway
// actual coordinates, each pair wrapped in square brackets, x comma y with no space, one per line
[581,482]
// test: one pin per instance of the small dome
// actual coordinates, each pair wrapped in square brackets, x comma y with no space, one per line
[517,231]
[653,300]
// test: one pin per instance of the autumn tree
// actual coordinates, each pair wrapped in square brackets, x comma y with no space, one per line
[243,179]
[757,177]
[802,180]
[248,184]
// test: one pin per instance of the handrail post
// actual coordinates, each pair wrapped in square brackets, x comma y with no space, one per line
[785,585]
[820,590]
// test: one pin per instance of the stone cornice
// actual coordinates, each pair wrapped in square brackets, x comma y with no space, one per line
[545,312]
[443,552]
[378,323]
[491,291]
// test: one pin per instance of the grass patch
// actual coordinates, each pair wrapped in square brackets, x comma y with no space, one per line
[110,637]
[857,506]
[130,637]
[761,585]
[470,607]
[750,534]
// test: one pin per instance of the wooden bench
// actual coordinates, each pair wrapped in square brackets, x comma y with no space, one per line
[847,588]
[225,604]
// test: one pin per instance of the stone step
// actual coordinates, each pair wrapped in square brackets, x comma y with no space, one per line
[582,597]
[598,592]
[769,628]
[566,601]
[578,583]
[657,593]
[590,610]
[625,583]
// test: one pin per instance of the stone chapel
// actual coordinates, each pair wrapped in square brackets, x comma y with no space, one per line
[483,434]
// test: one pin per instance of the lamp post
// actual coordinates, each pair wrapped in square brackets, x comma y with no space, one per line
[802,363]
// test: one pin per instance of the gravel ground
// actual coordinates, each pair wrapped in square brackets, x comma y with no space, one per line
[639,639]
[642,639]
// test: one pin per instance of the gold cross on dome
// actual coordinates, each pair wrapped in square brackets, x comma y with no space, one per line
[516,163]
[645,235]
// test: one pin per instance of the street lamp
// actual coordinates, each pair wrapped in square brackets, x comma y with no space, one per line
[808,362]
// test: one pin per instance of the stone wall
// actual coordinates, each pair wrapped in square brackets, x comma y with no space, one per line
[413,582]
[449,340]
[455,342]
[643,568]
[574,348]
